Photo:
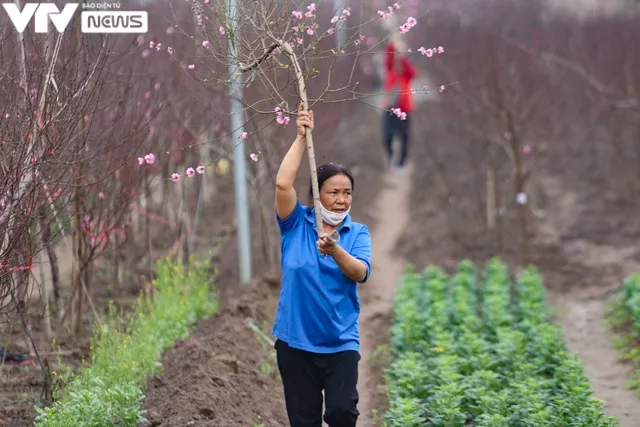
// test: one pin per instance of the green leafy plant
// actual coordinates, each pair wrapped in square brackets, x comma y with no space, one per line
[623,315]
[482,353]
[126,350]
[268,367]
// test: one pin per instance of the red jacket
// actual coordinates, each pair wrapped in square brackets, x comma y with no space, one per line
[398,82]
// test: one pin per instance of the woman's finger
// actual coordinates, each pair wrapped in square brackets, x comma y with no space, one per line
[328,242]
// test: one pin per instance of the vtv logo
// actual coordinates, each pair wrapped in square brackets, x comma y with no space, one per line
[42,11]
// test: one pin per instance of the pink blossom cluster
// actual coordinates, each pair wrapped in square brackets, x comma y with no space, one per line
[343,16]
[311,9]
[310,29]
[149,159]
[399,113]
[283,120]
[411,22]
[430,52]
[175,177]
[389,14]
[158,47]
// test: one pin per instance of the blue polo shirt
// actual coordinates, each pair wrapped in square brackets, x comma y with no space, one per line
[319,306]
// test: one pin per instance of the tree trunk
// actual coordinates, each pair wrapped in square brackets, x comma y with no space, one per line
[53,264]
[79,295]
[499,216]
[78,233]
[44,291]
[182,220]
[115,272]
[519,180]
[78,254]
[491,197]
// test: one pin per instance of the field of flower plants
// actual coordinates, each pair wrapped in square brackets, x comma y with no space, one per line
[624,316]
[108,390]
[482,352]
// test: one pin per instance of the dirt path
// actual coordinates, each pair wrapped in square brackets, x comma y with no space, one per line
[392,214]
[580,310]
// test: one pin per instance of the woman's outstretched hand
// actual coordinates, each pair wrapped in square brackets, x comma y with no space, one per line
[326,245]
[304,121]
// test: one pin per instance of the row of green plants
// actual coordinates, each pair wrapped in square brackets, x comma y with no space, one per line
[623,315]
[471,351]
[126,349]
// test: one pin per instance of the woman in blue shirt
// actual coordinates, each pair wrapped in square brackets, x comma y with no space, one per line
[317,321]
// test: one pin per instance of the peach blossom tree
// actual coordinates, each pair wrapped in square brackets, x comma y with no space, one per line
[284,51]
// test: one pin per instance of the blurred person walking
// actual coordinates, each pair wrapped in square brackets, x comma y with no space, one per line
[400,72]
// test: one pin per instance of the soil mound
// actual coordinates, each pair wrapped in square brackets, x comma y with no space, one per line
[220,376]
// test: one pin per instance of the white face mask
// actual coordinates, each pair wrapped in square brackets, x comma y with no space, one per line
[333,218]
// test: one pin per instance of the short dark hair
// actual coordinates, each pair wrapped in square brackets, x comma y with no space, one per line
[328,170]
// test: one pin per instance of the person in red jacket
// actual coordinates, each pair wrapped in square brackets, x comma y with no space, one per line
[397,95]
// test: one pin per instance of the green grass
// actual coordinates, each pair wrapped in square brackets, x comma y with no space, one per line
[108,390]
[471,351]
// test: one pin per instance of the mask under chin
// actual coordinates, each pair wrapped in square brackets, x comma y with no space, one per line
[333,218]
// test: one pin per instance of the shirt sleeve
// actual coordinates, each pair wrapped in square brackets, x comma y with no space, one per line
[361,249]
[289,223]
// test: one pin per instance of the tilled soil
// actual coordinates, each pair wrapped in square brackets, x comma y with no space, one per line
[223,375]
[19,385]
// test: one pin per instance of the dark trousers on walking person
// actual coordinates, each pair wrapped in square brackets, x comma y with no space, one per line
[305,375]
[393,126]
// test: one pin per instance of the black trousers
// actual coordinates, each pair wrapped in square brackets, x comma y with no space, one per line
[305,375]
[393,126]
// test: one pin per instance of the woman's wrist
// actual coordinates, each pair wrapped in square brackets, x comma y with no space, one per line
[350,266]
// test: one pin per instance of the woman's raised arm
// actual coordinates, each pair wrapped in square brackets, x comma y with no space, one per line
[286,197]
